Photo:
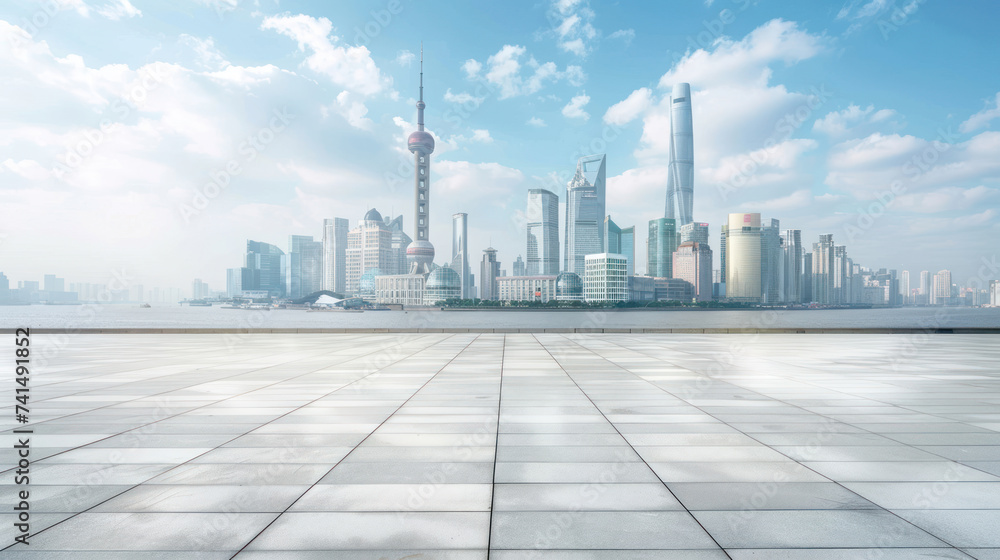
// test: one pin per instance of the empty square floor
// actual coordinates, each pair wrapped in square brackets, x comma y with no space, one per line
[474,446]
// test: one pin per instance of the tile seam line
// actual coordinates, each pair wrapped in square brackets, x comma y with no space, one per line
[214,448]
[906,521]
[496,450]
[313,485]
[253,371]
[641,458]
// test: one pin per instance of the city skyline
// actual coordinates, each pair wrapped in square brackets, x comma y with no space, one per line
[124,199]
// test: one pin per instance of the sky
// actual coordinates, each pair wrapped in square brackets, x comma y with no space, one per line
[156,137]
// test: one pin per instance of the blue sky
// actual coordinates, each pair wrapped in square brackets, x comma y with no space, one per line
[804,112]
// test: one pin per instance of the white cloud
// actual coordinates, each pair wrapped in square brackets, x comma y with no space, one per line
[352,109]
[536,122]
[748,60]
[573,26]
[982,118]
[405,58]
[482,135]
[206,54]
[626,35]
[798,199]
[472,68]
[630,108]
[504,69]
[221,6]
[462,98]
[350,67]
[574,109]
[118,9]
[840,123]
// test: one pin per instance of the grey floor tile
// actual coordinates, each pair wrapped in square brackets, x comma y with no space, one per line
[597,530]
[375,531]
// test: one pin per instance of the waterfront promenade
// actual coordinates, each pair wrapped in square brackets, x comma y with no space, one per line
[519,445]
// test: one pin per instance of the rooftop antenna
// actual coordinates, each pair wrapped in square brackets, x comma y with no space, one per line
[420,103]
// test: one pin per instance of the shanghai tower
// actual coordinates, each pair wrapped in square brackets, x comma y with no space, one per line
[680,178]
[420,253]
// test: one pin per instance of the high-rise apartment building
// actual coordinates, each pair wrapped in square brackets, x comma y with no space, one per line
[661,244]
[542,217]
[680,166]
[585,203]
[743,258]
[335,254]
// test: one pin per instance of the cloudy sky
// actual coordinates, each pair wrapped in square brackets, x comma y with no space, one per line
[159,136]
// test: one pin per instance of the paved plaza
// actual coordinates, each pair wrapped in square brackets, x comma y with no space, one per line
[506,446]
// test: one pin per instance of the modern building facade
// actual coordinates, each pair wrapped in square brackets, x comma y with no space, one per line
[941,291]
[693,263]
[335,232]
[680,166]
[585,203]
[792,255]
[628,248]
[368,246]
[995,293]
[460,252]
[743,258]
[489,271]
[822,270]
[673,289]
[303,266]
[605,277]
[400,289]
[661,243]
[904,287]
[542,217]
[519,267]
[771,262]
[443,283]
[527,288]
[694,231]
[264,272]
[398,262]
[569,287]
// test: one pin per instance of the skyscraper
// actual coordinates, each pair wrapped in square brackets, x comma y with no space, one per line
[904,286]
[807,277]
[941,291]
[369,246]
[680,167]
[722,254]
[303,266]
[519,266]
[543,232]
[628,248]
[420,253]
[694,231]
[489,271]
[771,262]
[743,258]
[841,274]
[612,236]
[398,262]
[661,244]
[693,263]
[264,269]
[793,265]
[925,287]
[585,196]
[335,254]
[822,269]
[460,251]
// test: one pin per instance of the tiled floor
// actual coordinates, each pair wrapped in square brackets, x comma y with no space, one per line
[548,446]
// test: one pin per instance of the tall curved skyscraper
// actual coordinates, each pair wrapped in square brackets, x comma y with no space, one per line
[680,180]
[420,253]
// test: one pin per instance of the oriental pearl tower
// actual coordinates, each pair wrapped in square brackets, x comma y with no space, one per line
[420,253]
